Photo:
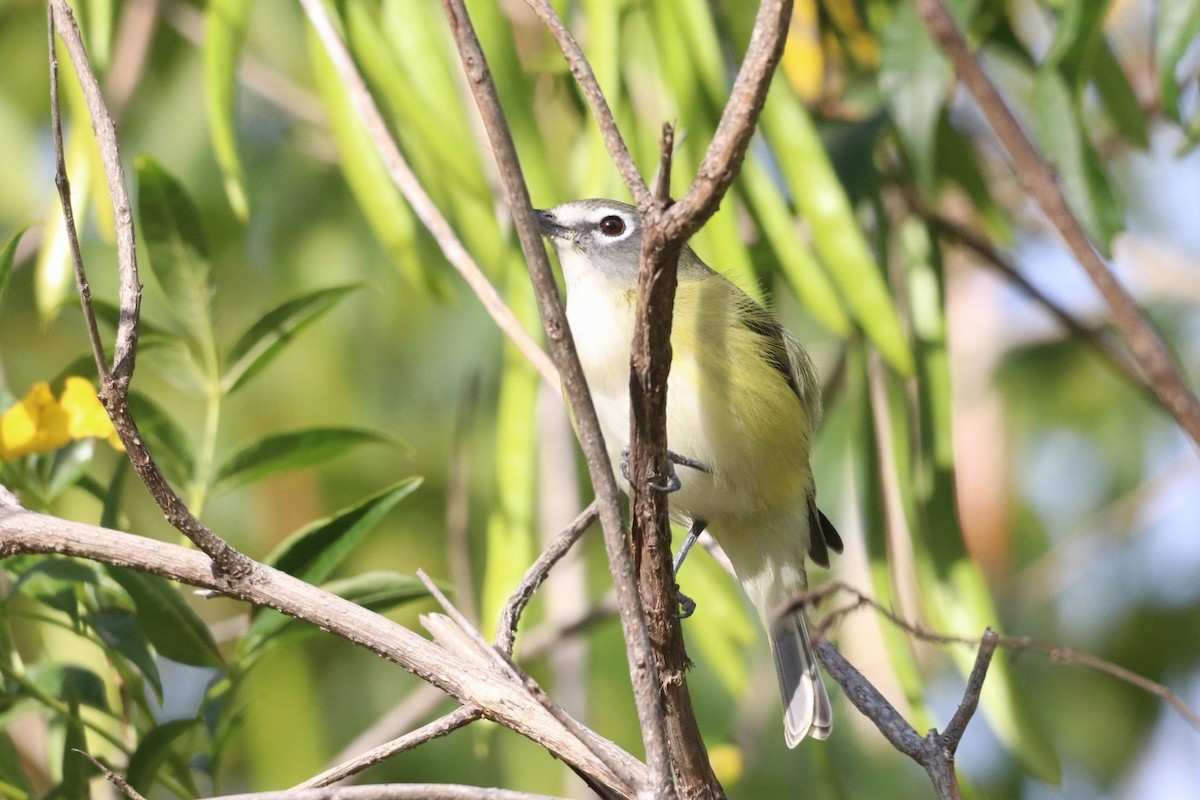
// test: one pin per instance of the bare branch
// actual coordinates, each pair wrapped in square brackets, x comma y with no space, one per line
[1058,654]
[438,728]
[506,631]
[586,78]
[424,207]
[119,783]
[114,383]
[516,196]
[393,791]
[497,697]
[1040,180]
[1095,338]
[958,723]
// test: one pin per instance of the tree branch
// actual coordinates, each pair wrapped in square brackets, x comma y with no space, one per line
[935,751]
[1040,180]
[516,196]
[494,695]
[114,383]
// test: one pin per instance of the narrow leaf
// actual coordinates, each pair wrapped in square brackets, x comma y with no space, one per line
[153,749]
[76,768]
[224,30]
[1060,134]
[7,254]
[175,630]
[285,451]
[914,78]
[265,338]
[316,550]
[13,783]
[1177,29]
[176,246]
[119,630]
[838,238]
[366,174]
[66,681]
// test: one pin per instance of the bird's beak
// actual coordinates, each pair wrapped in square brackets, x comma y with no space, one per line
[549,224]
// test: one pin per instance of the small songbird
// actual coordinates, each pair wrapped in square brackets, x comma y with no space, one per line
[743,404]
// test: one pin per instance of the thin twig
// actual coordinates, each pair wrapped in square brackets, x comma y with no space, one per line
[424,207]
[506,630]
[442,726]
[957,725]
[492,655]
[1058,654]
[114,383]
[393,791]
[63,183]
[639,651]
[1094,338]
[586,78]
[935,751]
[1040,180]
[118,781]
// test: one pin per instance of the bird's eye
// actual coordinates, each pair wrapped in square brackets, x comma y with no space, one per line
[612,226]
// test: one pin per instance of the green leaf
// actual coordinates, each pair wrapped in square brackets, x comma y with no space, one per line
[1177,28]
[1061,137]
[111,497]
[68,466]
[76,768]
[176,246]
[366,174]
[153,749]
[286,451]
[316,550]
[1119,97]
[379,591]
[225,24]
[175,630]
[13,783]
[119,631]
[796,259]
[837,235]
[171,446]
[914,78]
[63,681]
[266,337]
[7,254]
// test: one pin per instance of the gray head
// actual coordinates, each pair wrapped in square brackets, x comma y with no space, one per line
[603,235]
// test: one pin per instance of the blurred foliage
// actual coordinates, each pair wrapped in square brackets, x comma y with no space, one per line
[305,347]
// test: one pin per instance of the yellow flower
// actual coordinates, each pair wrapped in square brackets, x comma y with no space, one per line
[39,423]
[34,425]
[86,413]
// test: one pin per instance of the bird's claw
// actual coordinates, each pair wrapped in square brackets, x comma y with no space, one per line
[687,606]
[673,483]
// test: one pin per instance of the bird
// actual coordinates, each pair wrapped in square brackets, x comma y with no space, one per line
[743,406]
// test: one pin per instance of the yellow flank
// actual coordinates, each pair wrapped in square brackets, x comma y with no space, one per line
[749,417]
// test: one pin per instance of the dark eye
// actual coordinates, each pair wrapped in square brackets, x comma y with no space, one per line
[612,226]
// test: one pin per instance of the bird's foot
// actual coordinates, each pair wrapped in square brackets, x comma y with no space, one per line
[687,606]
[673,483]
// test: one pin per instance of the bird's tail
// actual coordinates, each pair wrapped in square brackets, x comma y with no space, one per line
[806,710]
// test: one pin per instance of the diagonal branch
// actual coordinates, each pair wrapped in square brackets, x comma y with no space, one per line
[1039,179]
[494,695]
